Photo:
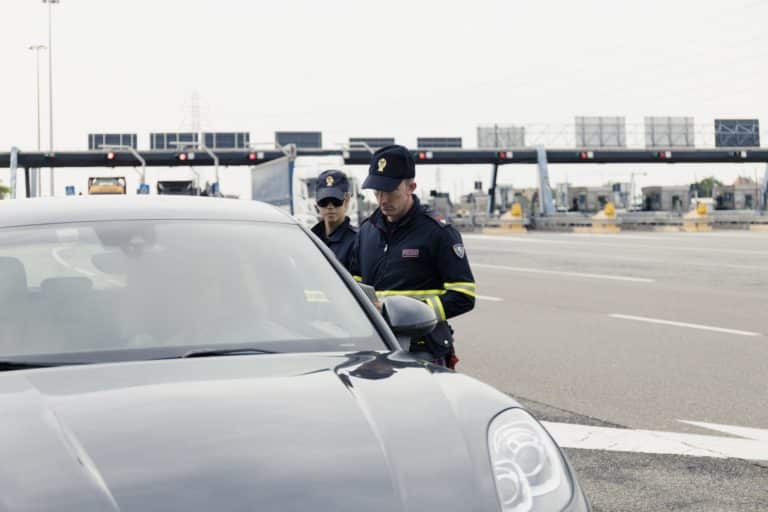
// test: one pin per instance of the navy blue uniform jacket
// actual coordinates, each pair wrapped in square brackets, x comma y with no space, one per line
[421,257]
[340,241]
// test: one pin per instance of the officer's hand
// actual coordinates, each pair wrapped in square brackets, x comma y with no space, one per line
[379,305]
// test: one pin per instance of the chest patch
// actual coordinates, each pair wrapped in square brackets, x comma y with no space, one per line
[410,253]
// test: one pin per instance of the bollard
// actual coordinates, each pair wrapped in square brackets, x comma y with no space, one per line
[605,221]
[698,220]
[512,222]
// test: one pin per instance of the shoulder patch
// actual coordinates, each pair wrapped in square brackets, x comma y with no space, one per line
[437,219]
[458,250]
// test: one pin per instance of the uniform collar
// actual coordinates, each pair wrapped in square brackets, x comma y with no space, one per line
[338,233]
[416,208]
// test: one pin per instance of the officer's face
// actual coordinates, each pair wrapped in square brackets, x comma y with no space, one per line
[332,211]
[395,204]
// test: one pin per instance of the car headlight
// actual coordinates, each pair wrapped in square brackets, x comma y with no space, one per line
[529,471]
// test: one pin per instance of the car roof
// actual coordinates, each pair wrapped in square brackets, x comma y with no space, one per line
[27,212]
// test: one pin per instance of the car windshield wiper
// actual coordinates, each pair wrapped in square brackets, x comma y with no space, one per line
[207,352]
[24,365]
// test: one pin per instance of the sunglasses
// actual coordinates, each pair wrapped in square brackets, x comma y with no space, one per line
[330,200]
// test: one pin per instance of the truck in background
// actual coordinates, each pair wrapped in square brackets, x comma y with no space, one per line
[178,188]
[106,185]
[295,192]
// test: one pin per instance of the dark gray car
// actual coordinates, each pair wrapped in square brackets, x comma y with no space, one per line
[196,354]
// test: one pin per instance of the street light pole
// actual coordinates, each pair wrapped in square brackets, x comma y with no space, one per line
[50,80]
[36,48]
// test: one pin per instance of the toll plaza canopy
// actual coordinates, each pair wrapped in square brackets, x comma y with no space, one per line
[437,156]
[155,158]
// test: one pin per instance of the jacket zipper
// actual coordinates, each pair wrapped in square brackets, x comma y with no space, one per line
[385,257]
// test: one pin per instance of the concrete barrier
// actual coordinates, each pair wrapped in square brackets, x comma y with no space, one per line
[612,221]
[511,222]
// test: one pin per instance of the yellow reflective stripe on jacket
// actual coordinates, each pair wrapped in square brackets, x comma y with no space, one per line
[467,288]
[439,310]
[410,293]
[430,297]
[358,279]
[468,284]
[437,306]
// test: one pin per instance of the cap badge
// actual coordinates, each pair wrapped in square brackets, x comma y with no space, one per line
[329,181]
[382,164]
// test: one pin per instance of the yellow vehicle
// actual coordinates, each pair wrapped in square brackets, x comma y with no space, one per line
[106,185]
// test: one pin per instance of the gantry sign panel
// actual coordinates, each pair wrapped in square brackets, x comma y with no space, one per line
[227,140]
[600,132]
[97,140]
[669,132]
[309,140]
[731,133]
[438,142]
[500,136]
[172,140]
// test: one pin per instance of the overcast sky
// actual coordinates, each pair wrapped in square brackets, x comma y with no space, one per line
[395,68]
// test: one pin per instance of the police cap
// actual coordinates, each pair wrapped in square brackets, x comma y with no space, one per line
[332,183]
[389,166]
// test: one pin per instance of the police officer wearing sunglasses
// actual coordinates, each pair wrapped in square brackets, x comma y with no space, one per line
[402,249]
[332,201]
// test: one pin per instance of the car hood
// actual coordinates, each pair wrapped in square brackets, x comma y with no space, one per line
[365,431]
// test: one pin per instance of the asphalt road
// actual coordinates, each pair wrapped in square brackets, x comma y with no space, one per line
[635,331]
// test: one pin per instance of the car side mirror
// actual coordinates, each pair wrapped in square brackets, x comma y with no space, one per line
[408,317]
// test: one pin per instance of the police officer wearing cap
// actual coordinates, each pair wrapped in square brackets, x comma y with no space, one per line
[401,249]
[332,202]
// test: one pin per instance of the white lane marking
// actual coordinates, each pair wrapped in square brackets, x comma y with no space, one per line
[661,237]
[562,273]
[489,298]
[594,255]
[650,441]
[657,247]
[758,434]
[684,324]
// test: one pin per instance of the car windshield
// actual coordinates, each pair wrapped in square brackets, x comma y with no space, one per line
[144,289]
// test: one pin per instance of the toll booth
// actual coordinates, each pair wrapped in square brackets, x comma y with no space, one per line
[739,196]
[667,199]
